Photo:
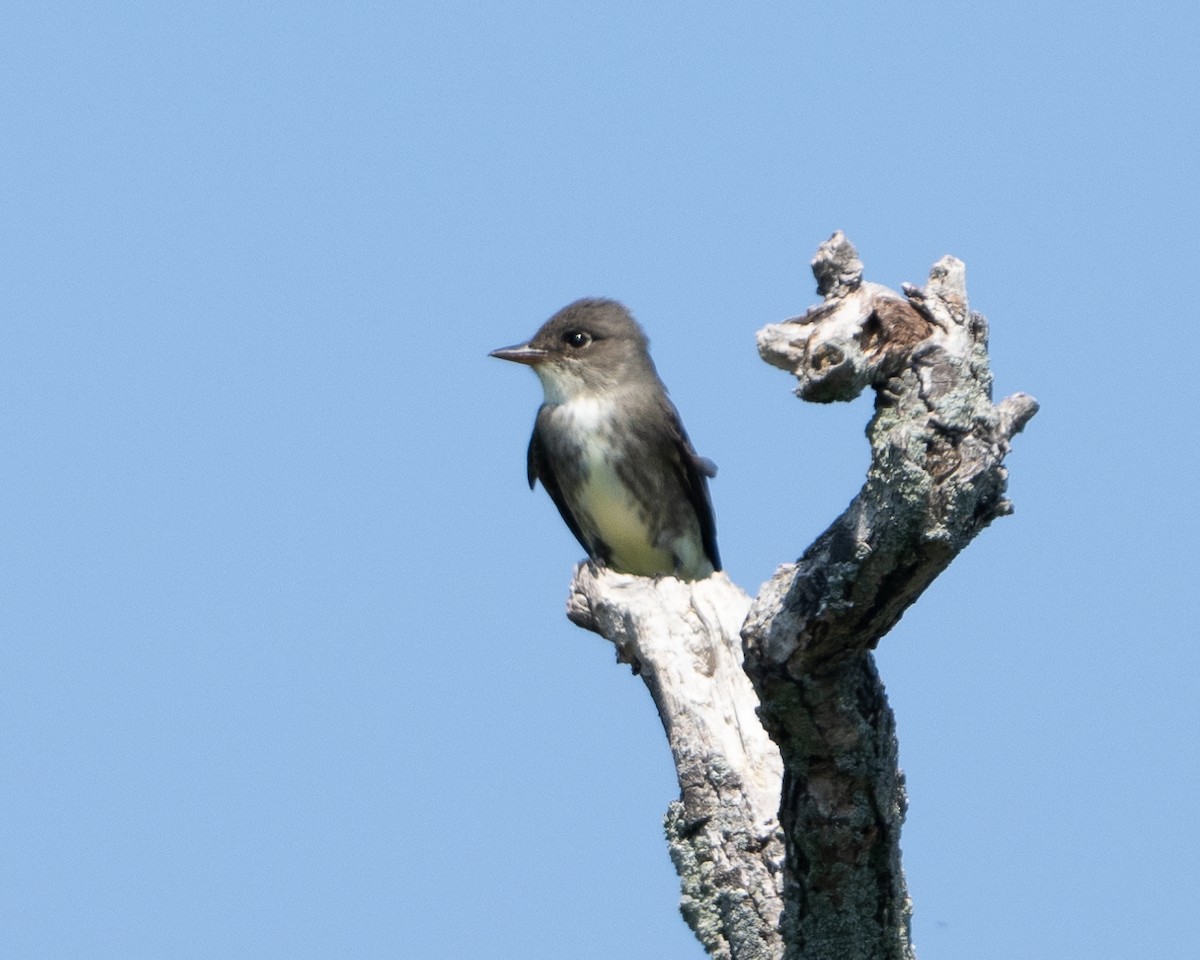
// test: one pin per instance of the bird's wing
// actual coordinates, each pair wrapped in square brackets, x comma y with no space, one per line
[538,468]
[693,470]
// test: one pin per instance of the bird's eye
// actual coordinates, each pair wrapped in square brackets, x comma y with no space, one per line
[576,338]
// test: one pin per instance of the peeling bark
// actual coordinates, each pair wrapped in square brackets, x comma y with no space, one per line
[824,882]
[682,639]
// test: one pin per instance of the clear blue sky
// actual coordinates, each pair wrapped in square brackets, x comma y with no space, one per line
[284,671]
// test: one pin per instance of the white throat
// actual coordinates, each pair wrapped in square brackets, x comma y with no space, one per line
[560,385]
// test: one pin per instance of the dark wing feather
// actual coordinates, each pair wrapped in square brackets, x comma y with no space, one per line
[695,469]
[538,468]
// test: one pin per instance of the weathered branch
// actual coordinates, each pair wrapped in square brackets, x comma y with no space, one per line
[936,480]
[937,450]
[682,638]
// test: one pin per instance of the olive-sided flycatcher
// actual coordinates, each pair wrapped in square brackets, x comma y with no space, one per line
[610,450]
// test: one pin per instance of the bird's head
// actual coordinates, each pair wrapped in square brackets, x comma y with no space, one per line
[590,346]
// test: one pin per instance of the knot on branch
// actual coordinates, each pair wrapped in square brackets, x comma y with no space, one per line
[837,267]
[863,333]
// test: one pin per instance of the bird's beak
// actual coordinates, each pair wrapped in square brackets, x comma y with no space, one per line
[524,353]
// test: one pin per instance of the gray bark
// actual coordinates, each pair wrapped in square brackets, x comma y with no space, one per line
[824,880]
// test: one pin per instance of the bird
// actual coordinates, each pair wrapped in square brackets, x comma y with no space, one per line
[610,449]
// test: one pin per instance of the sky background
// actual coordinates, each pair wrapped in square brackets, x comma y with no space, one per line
[284,670]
